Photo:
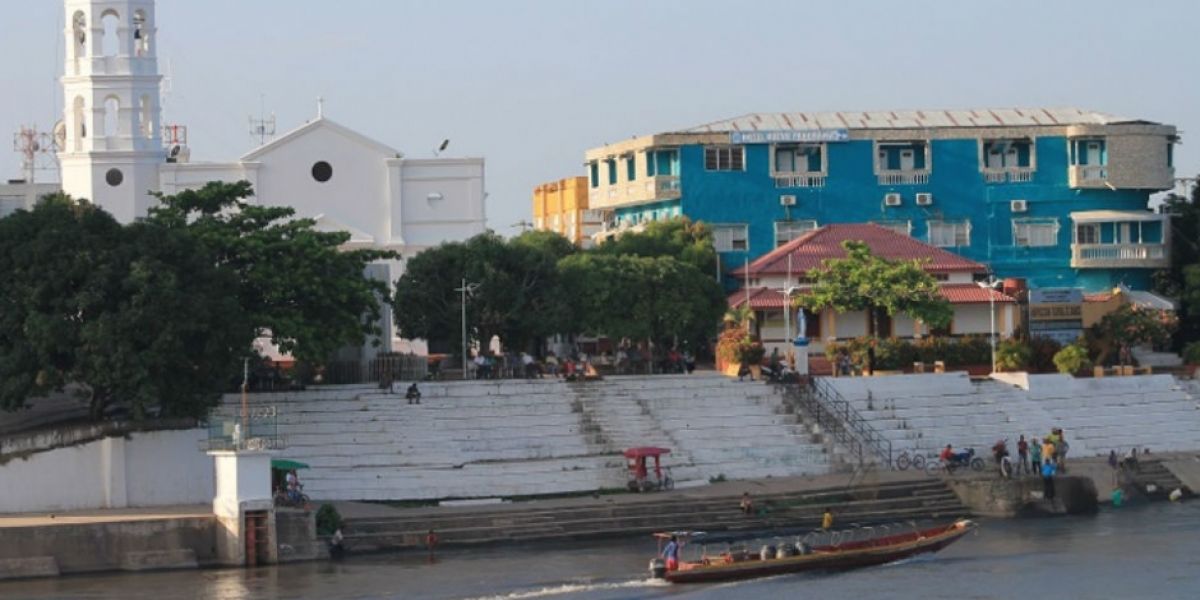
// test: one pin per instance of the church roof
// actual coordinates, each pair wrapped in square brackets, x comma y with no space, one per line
[809,251]
[321,123]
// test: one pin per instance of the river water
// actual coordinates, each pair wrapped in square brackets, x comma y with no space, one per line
[1151,551]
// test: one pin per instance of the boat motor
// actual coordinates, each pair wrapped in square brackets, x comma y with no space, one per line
[658,568]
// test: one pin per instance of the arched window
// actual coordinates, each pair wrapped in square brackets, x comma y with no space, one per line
[147,116]
[112,116]
[78,123]
[141,34]
[79,35]
[110,44]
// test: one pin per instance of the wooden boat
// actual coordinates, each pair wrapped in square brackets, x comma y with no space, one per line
[800,557]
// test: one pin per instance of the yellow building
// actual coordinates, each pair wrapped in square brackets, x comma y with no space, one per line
[562,207]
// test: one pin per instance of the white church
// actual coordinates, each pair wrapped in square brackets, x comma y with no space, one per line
[112,152]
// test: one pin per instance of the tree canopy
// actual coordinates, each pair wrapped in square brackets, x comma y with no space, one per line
[863,281]
[1182,279]
[652,285]
[156,315]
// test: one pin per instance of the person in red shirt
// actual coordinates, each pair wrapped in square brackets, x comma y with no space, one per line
[947,454]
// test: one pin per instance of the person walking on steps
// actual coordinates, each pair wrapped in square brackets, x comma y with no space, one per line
[1022,456]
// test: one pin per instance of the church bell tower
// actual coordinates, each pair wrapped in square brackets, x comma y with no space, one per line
[113,146]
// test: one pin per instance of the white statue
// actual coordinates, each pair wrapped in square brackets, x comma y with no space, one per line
[801,324]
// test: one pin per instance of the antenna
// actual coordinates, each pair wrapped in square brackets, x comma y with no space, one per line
[523,224]
[263,127]
[441,148]
[38,150]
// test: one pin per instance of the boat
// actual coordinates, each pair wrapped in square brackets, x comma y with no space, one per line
[839,550]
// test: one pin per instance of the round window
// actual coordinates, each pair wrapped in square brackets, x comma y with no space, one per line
[114,177]
[321,171]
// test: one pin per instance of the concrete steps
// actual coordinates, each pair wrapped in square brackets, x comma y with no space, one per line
[887,502]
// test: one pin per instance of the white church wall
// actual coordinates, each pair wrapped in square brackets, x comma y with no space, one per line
[355,195]
[443,200]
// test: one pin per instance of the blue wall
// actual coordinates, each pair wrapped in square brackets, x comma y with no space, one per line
[852,195]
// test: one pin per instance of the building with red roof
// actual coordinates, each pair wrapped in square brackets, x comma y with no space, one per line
[765,280]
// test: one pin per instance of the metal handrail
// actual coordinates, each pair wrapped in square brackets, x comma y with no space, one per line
[835,414]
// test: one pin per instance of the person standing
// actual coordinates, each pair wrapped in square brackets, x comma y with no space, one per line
[827,519]
[1035,457]
[671,554]
[1048,480]
[1047,452]
[1022,456]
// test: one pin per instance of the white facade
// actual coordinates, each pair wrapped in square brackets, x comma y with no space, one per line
[113,154]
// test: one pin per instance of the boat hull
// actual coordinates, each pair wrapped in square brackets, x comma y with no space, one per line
[829,558]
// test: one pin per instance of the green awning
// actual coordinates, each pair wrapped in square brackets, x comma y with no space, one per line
[287,465]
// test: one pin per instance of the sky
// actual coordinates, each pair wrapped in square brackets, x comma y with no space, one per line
[530,85]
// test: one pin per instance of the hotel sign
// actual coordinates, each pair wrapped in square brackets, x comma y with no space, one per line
[1056,314]
[789,135]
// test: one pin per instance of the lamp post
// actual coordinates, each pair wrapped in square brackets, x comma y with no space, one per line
[465,290]
[989,285]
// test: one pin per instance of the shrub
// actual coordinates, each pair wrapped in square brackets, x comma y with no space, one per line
[1072,359]
[1012,355]
[751,353]
[971,350]
[1191,353]
[1044,350]
[328,519]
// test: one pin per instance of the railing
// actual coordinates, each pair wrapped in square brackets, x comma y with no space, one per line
[1009,175]
[1147,255]
[835,416]
[799,181]
[1093,175]
[258,429]
[903,177]
[666,186]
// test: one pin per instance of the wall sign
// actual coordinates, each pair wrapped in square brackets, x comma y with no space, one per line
[789,135]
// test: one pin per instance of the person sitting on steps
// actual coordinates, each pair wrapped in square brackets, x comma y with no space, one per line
[413,394]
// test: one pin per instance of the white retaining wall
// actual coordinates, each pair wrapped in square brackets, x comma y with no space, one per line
[160,468]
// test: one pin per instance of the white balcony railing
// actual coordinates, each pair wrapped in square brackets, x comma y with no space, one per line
[903,177]
[799,181]
[1119,255]
[1093,173]
[1008,175]
[666,187]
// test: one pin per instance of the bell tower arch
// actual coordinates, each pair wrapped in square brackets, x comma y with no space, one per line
[110,84]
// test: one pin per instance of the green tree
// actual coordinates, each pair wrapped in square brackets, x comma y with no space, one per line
[133,314]
[864,282]
[294,282]
[1072,359]
[1182,279]
[680,238]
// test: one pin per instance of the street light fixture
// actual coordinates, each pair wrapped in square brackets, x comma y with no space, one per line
[989,285]
[467,289]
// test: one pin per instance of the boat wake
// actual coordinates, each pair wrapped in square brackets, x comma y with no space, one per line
[574,588]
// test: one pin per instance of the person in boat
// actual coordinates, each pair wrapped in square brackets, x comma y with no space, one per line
[827,519]
[670,553]
[747,504]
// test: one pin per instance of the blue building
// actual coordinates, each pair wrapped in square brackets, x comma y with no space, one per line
[1056,196]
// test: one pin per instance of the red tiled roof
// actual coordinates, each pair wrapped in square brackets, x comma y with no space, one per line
[1098,297]
[762,298]
[810,250]
[969,293]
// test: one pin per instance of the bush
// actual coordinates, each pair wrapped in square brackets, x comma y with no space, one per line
[1044,353]
[971,350]
[1191,353]
[1013,355]
[328,520]
[751,353]
[1072,359]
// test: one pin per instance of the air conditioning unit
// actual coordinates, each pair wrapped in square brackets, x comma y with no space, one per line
[787,200]
[1018,206]
[892,199]
[924,199]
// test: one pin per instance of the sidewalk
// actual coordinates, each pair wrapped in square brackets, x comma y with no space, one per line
[113,515]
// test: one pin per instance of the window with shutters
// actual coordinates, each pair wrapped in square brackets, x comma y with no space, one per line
[724,158]
[1035,232]
[731,238]
[949,234]
[786,231]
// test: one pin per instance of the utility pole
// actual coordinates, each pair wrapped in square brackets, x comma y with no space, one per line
[466,289]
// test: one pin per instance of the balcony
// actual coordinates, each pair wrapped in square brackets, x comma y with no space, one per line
[903,177]
[664,187]
[1008,175]
[1087,176]
[804,180]
[1112,256]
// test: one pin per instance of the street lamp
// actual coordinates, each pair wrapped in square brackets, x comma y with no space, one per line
[466,289]
[989,285]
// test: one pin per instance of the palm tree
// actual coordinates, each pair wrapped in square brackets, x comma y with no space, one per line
[739,316]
